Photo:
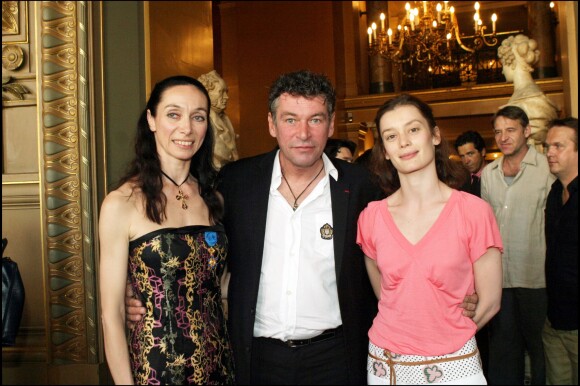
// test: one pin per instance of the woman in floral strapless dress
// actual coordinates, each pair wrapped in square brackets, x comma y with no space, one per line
[160,230]
[176,274]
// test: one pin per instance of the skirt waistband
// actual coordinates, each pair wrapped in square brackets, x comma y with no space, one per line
[424,364]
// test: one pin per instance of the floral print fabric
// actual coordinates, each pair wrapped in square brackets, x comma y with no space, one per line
[183,337]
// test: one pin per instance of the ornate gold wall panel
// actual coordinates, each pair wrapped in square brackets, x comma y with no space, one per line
[17,64]
[67,183]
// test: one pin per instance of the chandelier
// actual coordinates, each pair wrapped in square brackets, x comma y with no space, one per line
[430,35]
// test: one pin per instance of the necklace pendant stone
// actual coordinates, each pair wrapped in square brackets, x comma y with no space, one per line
[295,207]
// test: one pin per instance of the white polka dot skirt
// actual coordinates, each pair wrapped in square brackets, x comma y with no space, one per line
[415,369]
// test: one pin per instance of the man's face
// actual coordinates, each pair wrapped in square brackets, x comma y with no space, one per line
[510,136]
[561,152]
[471,158]
[302,127]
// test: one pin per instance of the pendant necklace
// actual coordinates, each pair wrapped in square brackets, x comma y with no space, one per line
[180,195]
[295,206]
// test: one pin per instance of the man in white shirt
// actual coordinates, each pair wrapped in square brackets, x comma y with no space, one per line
[300,303]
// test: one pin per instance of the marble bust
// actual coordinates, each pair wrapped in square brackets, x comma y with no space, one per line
[517,55]
[225,137]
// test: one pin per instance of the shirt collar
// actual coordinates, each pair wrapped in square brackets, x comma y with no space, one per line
[329,169]
[531,158]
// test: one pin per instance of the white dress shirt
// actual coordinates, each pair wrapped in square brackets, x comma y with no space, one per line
[297,297]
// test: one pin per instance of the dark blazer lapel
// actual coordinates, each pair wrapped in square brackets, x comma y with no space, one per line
[261,190]
[340,195]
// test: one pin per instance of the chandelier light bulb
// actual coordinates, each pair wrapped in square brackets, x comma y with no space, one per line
[476,6]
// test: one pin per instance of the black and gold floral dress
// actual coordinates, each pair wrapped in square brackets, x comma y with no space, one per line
[183,337]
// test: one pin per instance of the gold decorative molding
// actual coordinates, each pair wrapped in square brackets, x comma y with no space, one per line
[16,90]
[14,22]
[12,57]
[16,55]
[66,183]
[21,194]
[10,18]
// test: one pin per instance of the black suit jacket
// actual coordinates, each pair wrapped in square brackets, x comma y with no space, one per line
[473,187]
[245,186]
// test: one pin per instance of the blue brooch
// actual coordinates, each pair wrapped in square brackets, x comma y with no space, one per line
[210,238]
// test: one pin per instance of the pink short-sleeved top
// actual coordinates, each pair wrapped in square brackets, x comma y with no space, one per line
[423,284]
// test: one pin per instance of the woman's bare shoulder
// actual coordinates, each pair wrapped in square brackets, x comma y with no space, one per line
[123,199]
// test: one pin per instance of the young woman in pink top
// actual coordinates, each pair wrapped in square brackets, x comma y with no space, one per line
[427,246]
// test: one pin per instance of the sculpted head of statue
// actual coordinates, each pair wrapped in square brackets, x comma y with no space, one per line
[217,89]
[518,52]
